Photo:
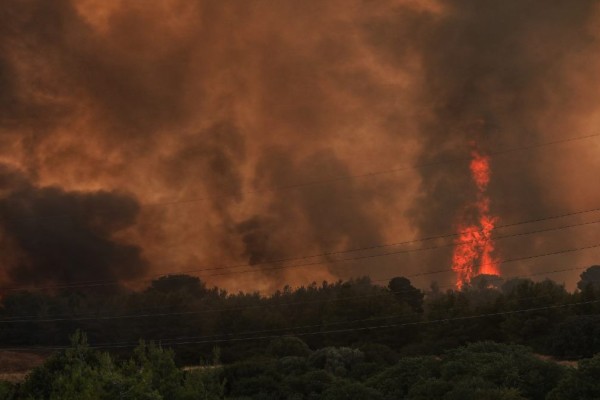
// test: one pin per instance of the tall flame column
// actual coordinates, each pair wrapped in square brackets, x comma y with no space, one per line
[474,246]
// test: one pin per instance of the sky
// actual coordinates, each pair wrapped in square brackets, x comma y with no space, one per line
[235,140]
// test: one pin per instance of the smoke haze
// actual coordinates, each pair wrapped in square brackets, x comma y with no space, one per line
[140,138]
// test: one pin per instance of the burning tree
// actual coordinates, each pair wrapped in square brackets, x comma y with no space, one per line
[474,245]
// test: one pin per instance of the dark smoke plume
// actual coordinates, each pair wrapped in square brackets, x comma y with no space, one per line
[62,237]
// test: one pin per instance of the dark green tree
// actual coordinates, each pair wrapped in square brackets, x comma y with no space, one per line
[405,292]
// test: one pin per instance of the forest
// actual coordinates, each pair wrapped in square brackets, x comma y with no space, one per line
[355,339]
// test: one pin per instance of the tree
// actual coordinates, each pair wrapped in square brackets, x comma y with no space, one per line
[76,373]
[590,277]
[405,292]
[182,284]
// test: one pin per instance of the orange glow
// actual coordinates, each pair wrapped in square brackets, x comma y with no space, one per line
[474,247]
[480,170]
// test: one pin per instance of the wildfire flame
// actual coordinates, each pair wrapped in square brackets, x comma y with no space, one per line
[474,245]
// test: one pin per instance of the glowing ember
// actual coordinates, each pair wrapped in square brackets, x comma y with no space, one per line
[474,245]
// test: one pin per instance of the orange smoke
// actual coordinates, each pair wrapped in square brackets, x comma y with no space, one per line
[474,245]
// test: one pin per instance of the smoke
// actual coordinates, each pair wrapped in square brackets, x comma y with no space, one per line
[334,216]
[219,117]
[495,72]
[60,237]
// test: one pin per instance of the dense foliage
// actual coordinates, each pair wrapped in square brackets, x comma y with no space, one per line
[342,340]
[82,373]
[289,369]
[181,311]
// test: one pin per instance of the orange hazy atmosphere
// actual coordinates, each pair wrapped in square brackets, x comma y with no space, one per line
[258,144]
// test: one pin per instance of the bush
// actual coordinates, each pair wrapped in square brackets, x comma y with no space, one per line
[292,365]
[395,382]
[344,390]
[379,353]
[336,360]
[581,383]
[476,388]
[311,385]
[83,373]
[288,346]
[505,366]
[7,390]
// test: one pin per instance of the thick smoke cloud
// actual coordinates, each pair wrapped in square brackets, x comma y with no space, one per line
[218,117]
[61,237]
[493,71]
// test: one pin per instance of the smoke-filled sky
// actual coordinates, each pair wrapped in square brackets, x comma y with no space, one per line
[147,137]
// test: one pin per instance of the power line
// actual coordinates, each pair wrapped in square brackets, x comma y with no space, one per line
[96,283]
[401,252]
[335,331]
[384,326]
[392,325]
[445,236]
[321,325]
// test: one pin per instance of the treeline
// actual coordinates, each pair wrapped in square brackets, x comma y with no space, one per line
[289,369]
[181,312]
